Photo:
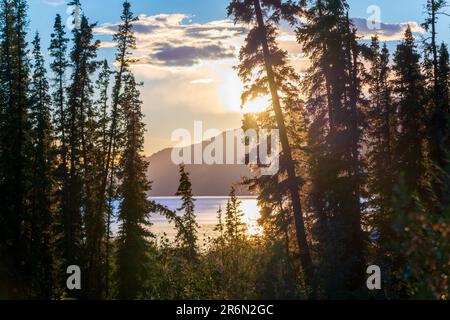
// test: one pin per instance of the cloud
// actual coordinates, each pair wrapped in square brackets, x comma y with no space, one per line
[107,44]
[202,81]
[214,31]
[387,31]
[173,41]
[191,55]
[54,3]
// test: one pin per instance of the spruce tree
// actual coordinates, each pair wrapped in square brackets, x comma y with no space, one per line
[409,92]
[133,237]
[103,122]
[235,228]
[125,42]
[58,66]
[381,138]
[15,148]
[6,218]
[260,55]
[81,202]
[436,102]
[235,239]
[187,236]
[335,103]
[42,186]
[97,122]
[411,167]
[444,115]
[440,133]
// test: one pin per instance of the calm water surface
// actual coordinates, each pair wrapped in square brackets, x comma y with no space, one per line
[206,210]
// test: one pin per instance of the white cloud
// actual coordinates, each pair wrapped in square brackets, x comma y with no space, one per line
[54,3]
[172,41]
[202,81]
[387,31]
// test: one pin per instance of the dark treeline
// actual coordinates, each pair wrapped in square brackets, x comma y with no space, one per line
[364,171]
[366,150]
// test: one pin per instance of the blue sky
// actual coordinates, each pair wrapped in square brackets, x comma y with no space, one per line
[207,10]
[187,50]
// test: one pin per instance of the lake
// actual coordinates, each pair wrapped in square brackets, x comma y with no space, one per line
[206,210]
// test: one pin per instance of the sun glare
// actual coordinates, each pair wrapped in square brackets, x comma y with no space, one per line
[251,216]
[256,106]
[230,91]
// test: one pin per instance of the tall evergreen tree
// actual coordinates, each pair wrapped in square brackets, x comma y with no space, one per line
[42,186]
[411,163]
[333,85]
[15,146]
[409,92]
[437,124]
[260,55]
[103,122]
[187,236]
[59,65]
[125,42]
[6,218]
[443,112]
[81,201]
[133,237]
[96,222]
[381,137]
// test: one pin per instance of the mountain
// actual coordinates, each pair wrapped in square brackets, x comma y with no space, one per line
[207,180]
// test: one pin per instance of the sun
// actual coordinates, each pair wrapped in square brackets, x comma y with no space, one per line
[230,90]
[257,105]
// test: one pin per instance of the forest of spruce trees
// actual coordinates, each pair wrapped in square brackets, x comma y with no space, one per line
[364,174]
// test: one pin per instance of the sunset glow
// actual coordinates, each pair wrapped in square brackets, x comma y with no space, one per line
[229,92]
[251,216]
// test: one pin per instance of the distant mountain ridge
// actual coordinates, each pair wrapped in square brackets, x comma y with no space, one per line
[207,180]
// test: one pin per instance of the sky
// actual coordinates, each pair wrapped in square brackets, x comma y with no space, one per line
[187,50]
